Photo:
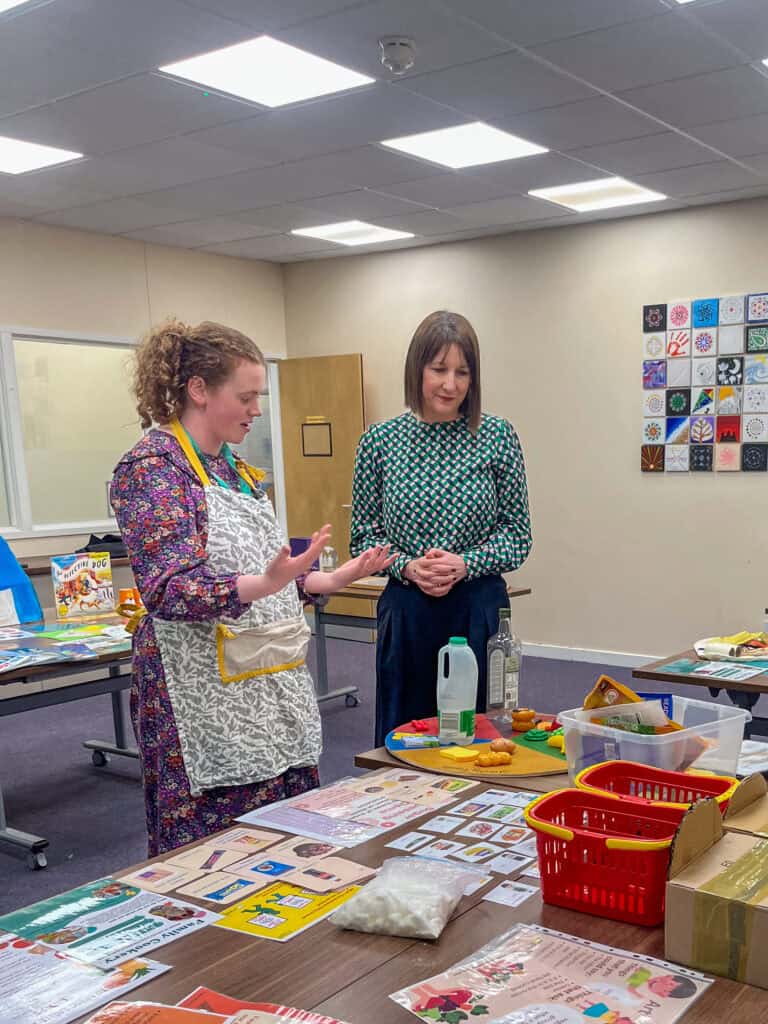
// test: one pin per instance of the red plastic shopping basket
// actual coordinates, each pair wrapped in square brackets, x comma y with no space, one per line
[642,782]
[603,855]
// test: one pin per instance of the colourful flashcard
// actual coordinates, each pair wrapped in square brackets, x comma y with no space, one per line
[441,848]
[512,835]
[410,841]
[507,863]
[208,857]
[442,824]
[160,877]
[477,853]
[222,888]
[479,829]
[511,894]
[247,840]
[333,873]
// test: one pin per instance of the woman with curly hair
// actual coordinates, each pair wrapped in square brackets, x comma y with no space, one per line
[222,702]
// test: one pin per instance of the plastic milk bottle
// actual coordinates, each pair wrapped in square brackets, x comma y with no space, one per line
[456,692]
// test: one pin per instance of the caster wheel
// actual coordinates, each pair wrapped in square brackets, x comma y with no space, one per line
[36,861]
[99,758]
[351,701]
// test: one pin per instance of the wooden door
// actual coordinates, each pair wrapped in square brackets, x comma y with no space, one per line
[322,418]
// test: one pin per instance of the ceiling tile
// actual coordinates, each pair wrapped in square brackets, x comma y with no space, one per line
[157,166]
[61,48]
[730,196]
[351,37]
[51,188]
[585,123]
[759,164]
[701,99]
[199,232]
[652,50]
[273,246]
[286,217]
[505,211]
[718,176]
[303,179]
[423,222]
[122,114]
[268,15]
[368,115]
[499,87]
[446,190]
[543,171]
[116,216]
[363,204]
[542,21]
[661,152]
[741,22]
[740,137]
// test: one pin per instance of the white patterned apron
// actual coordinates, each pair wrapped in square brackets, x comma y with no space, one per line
[241,693]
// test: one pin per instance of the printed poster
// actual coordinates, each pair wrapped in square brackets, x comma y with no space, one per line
[534,974]
[282,910]
[244,1012]
[42,985]
[106,922]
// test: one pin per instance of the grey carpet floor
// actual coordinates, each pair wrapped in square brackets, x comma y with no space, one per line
[94,818]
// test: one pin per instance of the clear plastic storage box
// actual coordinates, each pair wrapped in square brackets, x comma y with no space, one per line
[710,739]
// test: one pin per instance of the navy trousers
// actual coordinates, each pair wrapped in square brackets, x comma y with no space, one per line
[412,627]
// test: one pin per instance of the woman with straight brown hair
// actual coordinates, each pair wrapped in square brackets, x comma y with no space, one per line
[445,485]
[222,702]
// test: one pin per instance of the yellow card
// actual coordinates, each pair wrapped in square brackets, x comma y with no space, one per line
[282,911]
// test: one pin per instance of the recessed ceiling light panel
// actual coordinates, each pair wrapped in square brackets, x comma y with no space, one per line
[266,71]
[17,157]
[465,145]
[599,194]
[353,232]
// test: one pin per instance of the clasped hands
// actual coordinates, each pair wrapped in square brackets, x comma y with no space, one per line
[436,572]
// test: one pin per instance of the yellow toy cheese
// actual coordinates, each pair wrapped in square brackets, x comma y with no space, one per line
[463,754]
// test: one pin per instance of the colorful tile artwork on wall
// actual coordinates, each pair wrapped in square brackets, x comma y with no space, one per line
[705,385]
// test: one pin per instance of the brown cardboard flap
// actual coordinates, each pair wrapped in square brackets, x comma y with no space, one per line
[699,830]
[747,792]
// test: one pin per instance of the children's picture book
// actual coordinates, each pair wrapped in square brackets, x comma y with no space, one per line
[82,584]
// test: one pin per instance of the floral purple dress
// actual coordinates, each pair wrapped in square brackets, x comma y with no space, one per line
[161,510]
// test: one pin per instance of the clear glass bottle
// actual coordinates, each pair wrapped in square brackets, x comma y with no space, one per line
[505,652]
[329,559]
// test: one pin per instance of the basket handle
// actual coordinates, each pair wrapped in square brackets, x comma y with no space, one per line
[545,826]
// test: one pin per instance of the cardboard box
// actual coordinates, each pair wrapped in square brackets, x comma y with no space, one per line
[717,898]
[748,808]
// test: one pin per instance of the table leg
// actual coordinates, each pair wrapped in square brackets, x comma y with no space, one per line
[349,693]
[101,748]
[34,845]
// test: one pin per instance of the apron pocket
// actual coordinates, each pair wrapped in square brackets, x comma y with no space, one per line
[261,650]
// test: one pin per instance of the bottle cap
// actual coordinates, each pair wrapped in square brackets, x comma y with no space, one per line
[458,641]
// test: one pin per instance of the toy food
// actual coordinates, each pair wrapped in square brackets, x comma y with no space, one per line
[493,758]
[463,754]
[557,741]
[503,744]
[537,735]
[523,719]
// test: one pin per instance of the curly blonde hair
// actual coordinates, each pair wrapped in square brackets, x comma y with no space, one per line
[173,352]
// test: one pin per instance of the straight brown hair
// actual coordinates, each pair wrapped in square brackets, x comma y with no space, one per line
[435,333]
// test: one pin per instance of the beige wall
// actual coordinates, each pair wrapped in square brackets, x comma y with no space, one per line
[622,561]
[60,279]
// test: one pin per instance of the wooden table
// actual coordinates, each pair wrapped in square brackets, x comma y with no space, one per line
[370,588]
[742,694]
[350,975]
[381,758]
[115,676]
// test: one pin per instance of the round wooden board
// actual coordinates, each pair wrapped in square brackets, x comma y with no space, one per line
[524,763]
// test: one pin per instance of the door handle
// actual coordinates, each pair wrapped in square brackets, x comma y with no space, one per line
[346,506]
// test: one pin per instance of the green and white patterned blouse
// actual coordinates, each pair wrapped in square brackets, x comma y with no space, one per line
[436,485]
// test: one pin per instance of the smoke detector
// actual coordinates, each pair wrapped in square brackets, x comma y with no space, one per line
[398,53]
